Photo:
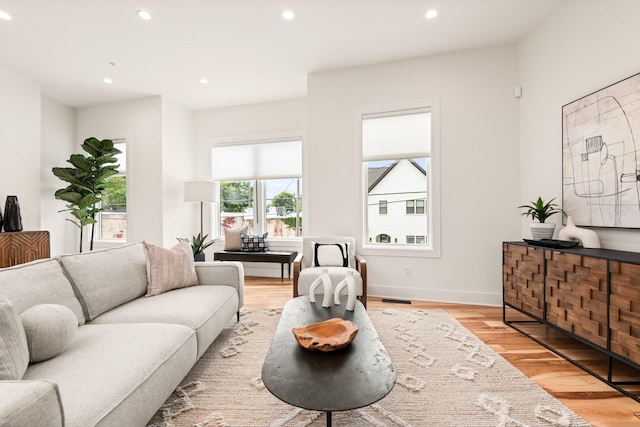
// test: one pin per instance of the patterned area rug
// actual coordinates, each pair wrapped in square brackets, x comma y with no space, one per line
[446,376]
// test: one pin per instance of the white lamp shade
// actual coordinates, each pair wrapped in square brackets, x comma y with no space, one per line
[200,191]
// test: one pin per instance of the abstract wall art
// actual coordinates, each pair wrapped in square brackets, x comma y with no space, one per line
[601,156]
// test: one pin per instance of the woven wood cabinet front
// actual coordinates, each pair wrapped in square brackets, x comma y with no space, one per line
[625,310]
[523,278]
[577,295]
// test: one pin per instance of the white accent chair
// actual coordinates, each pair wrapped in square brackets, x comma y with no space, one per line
[305,273]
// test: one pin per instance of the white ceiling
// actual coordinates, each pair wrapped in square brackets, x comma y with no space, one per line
[244,48]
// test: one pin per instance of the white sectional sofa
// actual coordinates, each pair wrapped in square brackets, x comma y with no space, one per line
[129,352]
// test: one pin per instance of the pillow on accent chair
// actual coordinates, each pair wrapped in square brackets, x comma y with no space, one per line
[257,243]
[331,255]
[169,269]
[233,239]
[49,328]
[14,352]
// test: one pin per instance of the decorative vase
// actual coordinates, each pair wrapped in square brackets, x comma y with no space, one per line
[542,230]
[12,218]
[325,281]
[588,238]
[198,257]
[350,283]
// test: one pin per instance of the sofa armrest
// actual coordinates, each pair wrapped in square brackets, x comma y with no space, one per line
[30,403]
[224,273]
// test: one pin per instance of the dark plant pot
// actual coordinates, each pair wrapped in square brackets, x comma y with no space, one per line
[199,257]
[12,218]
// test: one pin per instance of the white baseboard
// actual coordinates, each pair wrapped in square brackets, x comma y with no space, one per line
[436,295]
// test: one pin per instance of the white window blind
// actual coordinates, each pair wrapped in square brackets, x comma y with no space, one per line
[257,160]
[396,135]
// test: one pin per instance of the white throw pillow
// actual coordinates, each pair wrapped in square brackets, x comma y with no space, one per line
[330,254]
[14,353]
[233,239]
[169,269]
[49,328]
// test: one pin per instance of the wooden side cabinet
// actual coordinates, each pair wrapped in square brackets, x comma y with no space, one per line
[23,246]
[589,295]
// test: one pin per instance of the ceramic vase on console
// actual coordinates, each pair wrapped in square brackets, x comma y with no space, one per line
[588,238]
[12,218]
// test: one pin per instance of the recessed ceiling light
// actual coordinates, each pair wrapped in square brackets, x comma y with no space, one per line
[107,80]
[288,15]
[431,14]
[203,81]
[4,15]
[143,14]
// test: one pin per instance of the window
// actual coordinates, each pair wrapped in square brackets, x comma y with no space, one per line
[382,207]
[417,240]
[400,186]
[260,185]
[415,207]
[112,221]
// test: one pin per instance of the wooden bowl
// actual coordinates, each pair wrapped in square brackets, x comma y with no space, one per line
[332,334]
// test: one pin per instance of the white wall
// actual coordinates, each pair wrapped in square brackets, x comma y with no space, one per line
[20,162]
[178,158]
[58,143]
[479,167]
[140,122]
[585,46]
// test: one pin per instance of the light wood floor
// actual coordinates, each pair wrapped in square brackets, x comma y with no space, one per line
[589,397]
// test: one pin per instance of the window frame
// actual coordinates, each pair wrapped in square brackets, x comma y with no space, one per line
[102,242]
[300,135]
[432,204]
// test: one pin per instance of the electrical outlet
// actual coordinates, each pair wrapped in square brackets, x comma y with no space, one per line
[407,270]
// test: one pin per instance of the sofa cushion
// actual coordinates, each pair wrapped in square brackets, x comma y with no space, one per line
[49,328]
[39,282]
[105,279]
[14,353]
[232,239]
[119,375]
[169,268]
[205,309]
[30,403]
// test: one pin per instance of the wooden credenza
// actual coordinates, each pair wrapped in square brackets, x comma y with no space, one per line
[590,295]
[19,247]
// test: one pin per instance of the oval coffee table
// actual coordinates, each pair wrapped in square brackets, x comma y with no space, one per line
[351,378]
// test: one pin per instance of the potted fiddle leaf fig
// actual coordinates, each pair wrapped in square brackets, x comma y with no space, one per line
[87,178]
[540,211]
[198,245]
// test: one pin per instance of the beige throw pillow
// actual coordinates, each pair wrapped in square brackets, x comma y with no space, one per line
[14,353]
[169,268]
[233,239]
[50,328]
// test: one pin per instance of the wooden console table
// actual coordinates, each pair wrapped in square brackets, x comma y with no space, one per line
[18,247]
[590,295]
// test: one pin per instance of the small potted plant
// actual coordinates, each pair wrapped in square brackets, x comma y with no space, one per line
[198,245]
[541,211]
